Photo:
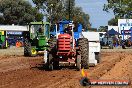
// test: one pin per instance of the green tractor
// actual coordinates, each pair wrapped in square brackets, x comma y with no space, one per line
[3,41]
[36,38]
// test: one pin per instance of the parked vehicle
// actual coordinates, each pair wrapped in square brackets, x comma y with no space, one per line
[36,38]
[3,41]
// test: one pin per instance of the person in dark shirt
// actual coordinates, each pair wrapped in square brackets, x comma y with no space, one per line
[40,30]
[68,30]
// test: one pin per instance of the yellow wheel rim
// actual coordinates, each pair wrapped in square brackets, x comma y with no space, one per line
[33,51]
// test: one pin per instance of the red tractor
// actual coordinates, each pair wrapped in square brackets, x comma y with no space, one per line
[70,47]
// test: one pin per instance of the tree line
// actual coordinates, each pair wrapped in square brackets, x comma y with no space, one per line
[122,9]
[18,12]
[21,12]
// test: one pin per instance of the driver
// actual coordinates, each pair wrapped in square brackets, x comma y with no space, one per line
[40,30]
[68,30]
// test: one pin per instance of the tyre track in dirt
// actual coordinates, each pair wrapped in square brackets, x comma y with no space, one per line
[36,77]
[94,73]
[106,65]
[11,68]
[121,71]
[14,63]
[33,78]
[30,75]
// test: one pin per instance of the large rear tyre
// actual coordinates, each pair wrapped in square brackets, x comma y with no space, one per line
[53,51]
[33,51]
[26,45]
[123,47]
[28,49]
[50,62]
[84,50]
[3,45]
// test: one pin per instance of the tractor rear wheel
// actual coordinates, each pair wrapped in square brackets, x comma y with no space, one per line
[53,51]
[84,50]
[28,49]
[3,46]
[50,62]
[32,51]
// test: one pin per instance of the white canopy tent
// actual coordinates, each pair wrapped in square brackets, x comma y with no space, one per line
[13,28]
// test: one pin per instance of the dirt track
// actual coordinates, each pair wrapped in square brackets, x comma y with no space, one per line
[17,71]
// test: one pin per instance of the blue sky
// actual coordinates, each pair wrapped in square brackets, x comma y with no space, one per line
[94,8]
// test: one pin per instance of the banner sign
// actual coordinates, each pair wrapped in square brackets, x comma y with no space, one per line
[126,32]
[14,33]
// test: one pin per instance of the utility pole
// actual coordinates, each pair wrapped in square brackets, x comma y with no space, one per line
[51,13]
[69,10]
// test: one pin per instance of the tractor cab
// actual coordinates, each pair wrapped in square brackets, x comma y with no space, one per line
[36,38]
[39,29]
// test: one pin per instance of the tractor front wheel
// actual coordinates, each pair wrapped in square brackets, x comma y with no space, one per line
[78,62]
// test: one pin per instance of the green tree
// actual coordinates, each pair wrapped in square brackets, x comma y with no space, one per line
[53,9]
[60,9]
[121,9]
[113,22]
[70,8]
[103,29]
[18,12]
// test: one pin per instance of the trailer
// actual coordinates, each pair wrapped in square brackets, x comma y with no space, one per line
[94,46]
